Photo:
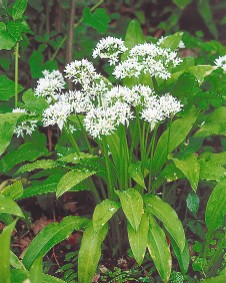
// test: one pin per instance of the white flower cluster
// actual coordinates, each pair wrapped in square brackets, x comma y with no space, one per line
[221,62]
[104,105]
[148,58]
[158,109]
[109,47]
[25,127]
[82,72]
[50,86]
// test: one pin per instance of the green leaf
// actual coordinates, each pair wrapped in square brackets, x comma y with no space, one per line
[215,209]
[135,172]
[132,205]
[7,41]
[172,41]
[15,29]
[98,20]
[38,164]
[5,238]
[90,252]
[159,249]
[70,179]
[201,71]
[103,212]
[138,239]
[183,257]
[35,272]
[205,10]
[212,166]
[134,35]
[215,124]
[192,202]
[26,152]
[189,166]
[15,262]
[180,128]
[14,191]
[182,3]
[50,279]
[218,279]
[51,235]
[33,103]
[7,88]
[18,9]
[9,206]
[7,124]
[18,275]
[165,213]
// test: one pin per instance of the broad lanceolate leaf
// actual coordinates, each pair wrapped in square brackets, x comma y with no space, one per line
[138,239]
[215,209]
[51,235]
[218,279]
[180,128]
[71,179]
[136,173]
[5,238]
[132,205]
[212,166]
[35,272]
[7,125]
[39,164]
[14,191]
[165,213]
[7,88]
[215,124]
[90,252]
[26,152]
[9,206]
[172,41]
[18,9]
[189,166]
[183,257]
[103,212]
[159,249]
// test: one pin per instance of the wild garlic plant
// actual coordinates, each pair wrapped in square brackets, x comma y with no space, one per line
[134,123]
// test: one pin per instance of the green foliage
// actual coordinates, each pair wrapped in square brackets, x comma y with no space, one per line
[5,252]
[90,252]
[7,205]
[7,88]
[51,235]
[215,210]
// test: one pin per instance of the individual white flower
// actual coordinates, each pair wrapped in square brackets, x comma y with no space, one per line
[109,47]
[82,72]
[57,113]
[25,128]
[221,62]
[50,86]
[169,105]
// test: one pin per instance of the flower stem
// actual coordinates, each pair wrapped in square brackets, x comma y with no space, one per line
[108,168]
[84,134]
[16,73]
[72,140]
